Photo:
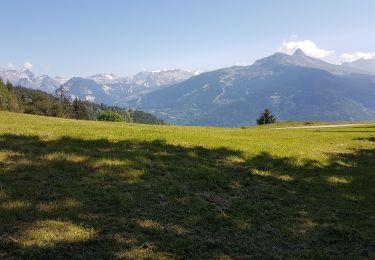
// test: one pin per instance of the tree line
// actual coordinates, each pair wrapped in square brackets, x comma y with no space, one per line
[30,101]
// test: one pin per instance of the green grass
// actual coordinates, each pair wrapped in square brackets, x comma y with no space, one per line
[96,190]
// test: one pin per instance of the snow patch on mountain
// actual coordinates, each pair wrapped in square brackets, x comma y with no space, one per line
[90,98]
[107,89]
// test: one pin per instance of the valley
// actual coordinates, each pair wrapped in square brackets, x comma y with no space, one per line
[294,87]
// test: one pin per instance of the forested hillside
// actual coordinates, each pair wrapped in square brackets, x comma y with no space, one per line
[31,101]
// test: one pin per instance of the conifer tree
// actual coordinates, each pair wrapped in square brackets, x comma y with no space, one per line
[266,118]
[4,96]
[62,107]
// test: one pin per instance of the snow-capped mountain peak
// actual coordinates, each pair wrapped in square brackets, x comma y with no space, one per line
[162,77]
[60,80]
[104,78]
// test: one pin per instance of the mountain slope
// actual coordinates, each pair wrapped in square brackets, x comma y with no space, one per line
[295,87]
[88,90]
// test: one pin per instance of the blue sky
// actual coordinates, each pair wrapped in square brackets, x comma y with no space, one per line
[84,37]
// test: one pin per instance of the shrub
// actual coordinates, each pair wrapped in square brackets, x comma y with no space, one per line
[111,116]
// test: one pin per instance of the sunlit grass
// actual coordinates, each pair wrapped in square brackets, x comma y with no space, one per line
[338,180]
[48,233]
[15,205]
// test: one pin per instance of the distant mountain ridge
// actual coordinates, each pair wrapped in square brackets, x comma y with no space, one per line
[26,78]
[364,65]
[299,58]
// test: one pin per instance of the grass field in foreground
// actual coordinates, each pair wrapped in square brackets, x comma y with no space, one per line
[79,189]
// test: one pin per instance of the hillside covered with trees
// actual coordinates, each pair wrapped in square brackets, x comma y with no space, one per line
[31,101]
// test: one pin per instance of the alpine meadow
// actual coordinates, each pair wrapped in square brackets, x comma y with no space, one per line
[190,130]
[84,189]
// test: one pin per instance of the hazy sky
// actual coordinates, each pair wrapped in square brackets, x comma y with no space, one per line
[83,37]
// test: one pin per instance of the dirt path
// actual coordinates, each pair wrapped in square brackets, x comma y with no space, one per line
[317,126]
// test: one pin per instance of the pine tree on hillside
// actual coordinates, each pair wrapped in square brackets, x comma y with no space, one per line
[79,110]
[62,94]
[62,108]
[266,118]
[5,96]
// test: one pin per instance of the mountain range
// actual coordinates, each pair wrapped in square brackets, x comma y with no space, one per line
[101,88]
[294,87]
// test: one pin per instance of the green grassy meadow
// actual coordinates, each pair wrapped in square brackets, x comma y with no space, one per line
[97,190]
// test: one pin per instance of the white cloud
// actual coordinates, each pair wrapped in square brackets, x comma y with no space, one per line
[28,65]
[307,46]
[349,57]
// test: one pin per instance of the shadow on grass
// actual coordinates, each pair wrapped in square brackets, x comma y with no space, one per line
[371,139]
[353,129]
[74,198]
